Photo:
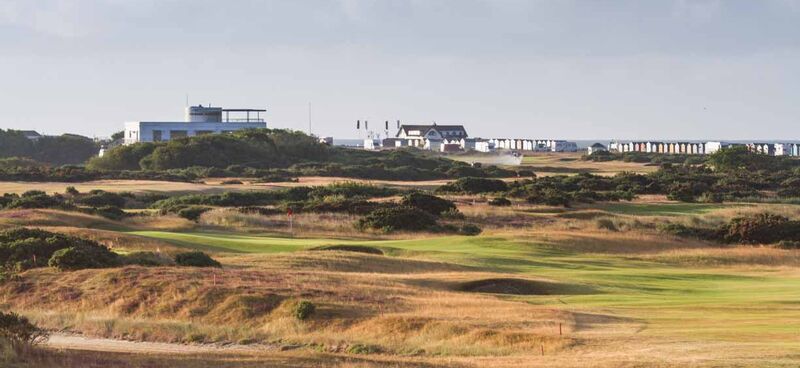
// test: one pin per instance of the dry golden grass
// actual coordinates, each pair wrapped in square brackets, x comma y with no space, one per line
[362,299]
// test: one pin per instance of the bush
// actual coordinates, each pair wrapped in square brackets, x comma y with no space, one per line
[363,349]
[469,230]
[195,259]
[147,259]
[472,185]
[500,202]
[19,331]
[606,224]
[231,182]
[789,244]
[102,199]
[193,213]
[761,228]
[428,203]
[304,309]
[110,212]
[684,231]
[22,248]
[82,257]
[398,218]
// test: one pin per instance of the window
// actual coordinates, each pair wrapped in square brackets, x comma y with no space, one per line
[156,136]
[174,134]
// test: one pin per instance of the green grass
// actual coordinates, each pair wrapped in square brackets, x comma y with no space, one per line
[692,303]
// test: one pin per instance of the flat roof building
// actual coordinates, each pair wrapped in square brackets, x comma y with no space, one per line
[199,120]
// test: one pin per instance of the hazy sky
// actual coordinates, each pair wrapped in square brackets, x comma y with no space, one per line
[520,68]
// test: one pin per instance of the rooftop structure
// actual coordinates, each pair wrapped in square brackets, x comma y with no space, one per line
[198,120]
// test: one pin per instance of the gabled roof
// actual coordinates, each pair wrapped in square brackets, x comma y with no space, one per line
[423,129]
[30,134]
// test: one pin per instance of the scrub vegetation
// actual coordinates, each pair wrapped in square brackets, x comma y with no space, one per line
[565,270]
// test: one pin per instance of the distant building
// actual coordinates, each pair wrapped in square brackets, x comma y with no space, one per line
[326,140]
[483,145]
[199,120]
[430,136]
[597,147]
[31,134]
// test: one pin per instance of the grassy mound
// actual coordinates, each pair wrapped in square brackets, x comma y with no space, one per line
[350,248]
[521,287]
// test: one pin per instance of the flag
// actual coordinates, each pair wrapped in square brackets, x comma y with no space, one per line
[387,124]
[358,124]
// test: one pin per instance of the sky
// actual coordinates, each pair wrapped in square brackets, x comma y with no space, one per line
[567,69]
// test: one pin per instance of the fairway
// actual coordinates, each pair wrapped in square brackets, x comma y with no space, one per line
[691,304]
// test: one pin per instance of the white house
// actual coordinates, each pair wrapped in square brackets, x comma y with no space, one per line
[199,120]
[597,147]
[432,136]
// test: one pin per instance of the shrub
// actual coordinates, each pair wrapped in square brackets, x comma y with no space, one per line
[195,259]
[428,203]
[606,224]
[82,257]
[789,244]
[148,259]
[473,185]
[72,191]
[23,248]
[19,331]
[110,212]
[684,231]
[231,182]
[363,349]
[398,218]
[500,202]
[304,309]
[469,230]
[102,199]
[761,228]
[193,213]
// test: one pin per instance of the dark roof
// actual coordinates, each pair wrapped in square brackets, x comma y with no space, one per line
[425,128]
[30,133]
[598,145]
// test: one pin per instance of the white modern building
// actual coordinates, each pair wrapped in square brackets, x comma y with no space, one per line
[199,120]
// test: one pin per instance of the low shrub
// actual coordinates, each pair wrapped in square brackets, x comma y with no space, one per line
[398,218]
[195,259]
[23,248]
[684,231]
[606,224]
[428,203]
[231,182]
[82,257]
[469,230]
[761,228]
[147,259]
[99,198]
[789,244]
[304,309]
[19,331]
[193,213]
[110,212]
[499,202]
[363,349]
[473,185]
